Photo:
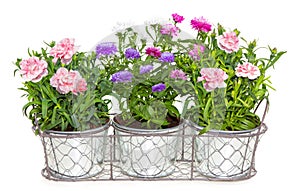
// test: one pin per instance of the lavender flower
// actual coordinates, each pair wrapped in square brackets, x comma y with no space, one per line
[178,74]
[122,76]
[131,53]
[105,49]
[166,57]
[158,87]
[146,69]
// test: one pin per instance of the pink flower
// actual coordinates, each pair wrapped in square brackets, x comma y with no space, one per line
[169,29]
[64,50]
[247,70]
[177,18]
[228,42]
[195,53]
[68,81]
[178,74]
[214,78]
[201,24]
[33,69]
[152,51]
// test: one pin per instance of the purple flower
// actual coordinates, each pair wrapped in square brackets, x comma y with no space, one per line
[195,53]
[169,29]
[177,18]
[146,69]
[131,53]
[158,87]
[178,74]
[166,57]
[201,24]
[105,49]
[122,76]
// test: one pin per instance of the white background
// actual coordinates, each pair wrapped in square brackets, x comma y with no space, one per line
[25,24]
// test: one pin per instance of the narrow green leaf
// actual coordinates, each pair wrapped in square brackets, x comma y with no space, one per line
[44,107]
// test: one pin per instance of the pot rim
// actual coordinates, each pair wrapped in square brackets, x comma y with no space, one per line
[132,130]
[85,132]
[214,131]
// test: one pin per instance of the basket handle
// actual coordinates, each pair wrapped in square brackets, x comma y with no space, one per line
[265,110]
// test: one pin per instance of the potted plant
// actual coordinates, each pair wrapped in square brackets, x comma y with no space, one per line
[230,81]
[66,104]
[146,85]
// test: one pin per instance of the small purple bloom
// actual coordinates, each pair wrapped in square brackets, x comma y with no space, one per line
[178,74]
[146,69]
[131,53]
[122,76]
[158,87]
[106,49]
[166,57]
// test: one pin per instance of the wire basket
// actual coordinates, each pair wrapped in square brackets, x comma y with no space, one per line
[191,162]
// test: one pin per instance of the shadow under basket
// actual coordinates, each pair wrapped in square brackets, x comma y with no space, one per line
[74,155]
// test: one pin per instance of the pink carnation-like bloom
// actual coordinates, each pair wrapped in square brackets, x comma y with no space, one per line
[153,51]
[214,78]
[178,74]
[64,50]
[68,81]
[169,29]
[195,53]
[228,42]
[33,69]
[247,70]
[201,24]
[177,18]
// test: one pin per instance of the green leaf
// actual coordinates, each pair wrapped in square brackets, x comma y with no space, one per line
[206,113]
[44,107]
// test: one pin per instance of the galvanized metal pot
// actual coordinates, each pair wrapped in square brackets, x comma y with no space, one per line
[74,155]
[147,153]
[226,154]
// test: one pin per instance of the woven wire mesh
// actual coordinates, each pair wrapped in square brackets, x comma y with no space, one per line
[180,156]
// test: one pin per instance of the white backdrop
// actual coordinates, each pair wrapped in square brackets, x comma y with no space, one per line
[25,24]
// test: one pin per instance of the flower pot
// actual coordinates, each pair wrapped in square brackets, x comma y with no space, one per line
[74,155]
[227,155]
[147,153]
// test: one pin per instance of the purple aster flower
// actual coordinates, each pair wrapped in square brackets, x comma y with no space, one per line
[146,69]
[201,24]
[158,87]
[178,74]
[166,57]
[122,76]
[105,49]
[131,53]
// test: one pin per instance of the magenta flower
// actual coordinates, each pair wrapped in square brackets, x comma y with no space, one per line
[33,69]
[201,24]
[122,77]
[178,74]
[177,18]
[68,81]
[247,70]
[228,42]
[64,50]
[196,52]
[214,78]
[158,87]
[169,29]
[153,51]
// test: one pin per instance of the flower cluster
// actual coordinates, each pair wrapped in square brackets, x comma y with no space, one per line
[58,81]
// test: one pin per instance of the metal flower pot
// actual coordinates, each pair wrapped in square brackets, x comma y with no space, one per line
[147,153]
[226,155]
[74,155]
